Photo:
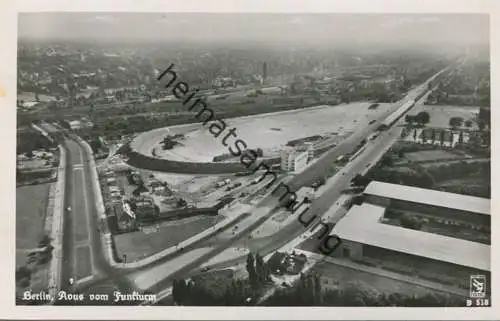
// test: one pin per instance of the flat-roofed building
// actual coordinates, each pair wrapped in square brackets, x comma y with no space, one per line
[433,257]
[448,206]
[293,160]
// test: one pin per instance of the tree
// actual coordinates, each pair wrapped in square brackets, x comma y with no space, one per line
[44,241]
[433,135]
[95,144]
[252,274]
[441,137]
[456,122]
[360,180]
[423,117]
[23,273]
[409,119]
[422,136]
[461,137]
[481,124]
[261,269]
[468,123]
[414,135]
[404,132]
[386,161]
[181,202]
[175,291]
[318,293]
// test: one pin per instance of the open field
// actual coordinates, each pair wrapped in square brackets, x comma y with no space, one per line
[440,115]
[428,155]
[138,245]
[335,276]
[259,131]
[31,207]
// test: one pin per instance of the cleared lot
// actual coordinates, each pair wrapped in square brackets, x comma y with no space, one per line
[138,245]
[427,155]
[31,207]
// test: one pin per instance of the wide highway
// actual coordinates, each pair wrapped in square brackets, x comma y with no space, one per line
[84,257]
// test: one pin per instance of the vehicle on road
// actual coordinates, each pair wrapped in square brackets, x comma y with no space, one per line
[68,208]
[372,121]
[205,269]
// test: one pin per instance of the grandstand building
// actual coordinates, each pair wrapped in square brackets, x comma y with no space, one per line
[438,251]
[450,207]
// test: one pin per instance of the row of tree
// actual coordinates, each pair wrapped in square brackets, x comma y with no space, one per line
[199,291]
[258,272]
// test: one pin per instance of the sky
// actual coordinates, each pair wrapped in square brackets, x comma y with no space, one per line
[396,28]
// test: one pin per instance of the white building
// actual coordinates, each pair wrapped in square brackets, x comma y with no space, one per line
[75,124]
[293,160]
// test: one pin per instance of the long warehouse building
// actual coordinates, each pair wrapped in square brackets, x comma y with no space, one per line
[373,235]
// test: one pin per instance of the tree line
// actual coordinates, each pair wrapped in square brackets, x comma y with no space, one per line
[215,290]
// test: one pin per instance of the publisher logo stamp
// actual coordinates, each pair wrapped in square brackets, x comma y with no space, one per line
[477,286]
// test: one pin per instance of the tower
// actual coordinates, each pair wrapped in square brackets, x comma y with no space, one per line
[264,72]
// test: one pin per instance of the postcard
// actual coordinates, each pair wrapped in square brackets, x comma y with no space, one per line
[236,160]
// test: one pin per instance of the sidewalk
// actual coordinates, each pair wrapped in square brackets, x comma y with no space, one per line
[57,226]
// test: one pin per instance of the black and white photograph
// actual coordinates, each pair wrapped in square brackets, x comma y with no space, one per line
[245,159]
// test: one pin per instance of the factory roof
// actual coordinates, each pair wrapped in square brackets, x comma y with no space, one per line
[430,197]
[362,225]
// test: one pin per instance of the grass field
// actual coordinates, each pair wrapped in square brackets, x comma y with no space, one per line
[31,207]
[428,155]
[138,245]
[335,276]
[440,115]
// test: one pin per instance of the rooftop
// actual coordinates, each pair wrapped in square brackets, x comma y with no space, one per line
[430,197]
[362,224]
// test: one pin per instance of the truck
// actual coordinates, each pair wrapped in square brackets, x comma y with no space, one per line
[340,158]
[373,136]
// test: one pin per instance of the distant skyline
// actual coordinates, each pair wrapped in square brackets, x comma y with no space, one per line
[428,29]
